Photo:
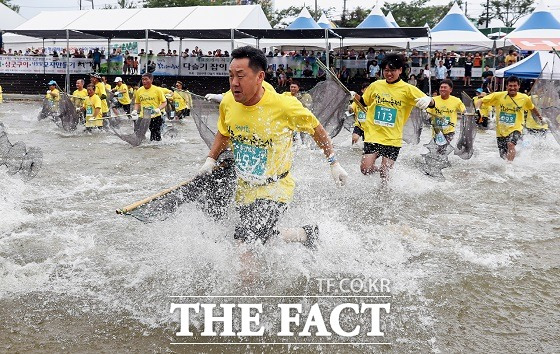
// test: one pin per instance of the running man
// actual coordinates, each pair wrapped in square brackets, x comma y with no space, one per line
[258,124]
[101,92]
[150,98]
[389,103]
[53,95]
[510,106]
[123,98]
[359,117]
[92,108]
[444,114]
[482,121]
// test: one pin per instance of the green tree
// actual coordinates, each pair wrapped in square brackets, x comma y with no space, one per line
[417,13]
[11,6]
[121,4]
[353,18]
[508,11]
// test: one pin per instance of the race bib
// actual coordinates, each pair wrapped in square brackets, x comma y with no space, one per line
[507,118]
[176,104]
[89,111]
[385,116]
[361,116]
[443,122]
[250,160]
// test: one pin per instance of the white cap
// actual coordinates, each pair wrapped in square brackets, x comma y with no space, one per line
[118,78]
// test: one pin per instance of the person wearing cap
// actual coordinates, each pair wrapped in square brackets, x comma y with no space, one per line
[389,103]
[101,92]
[53,95]
[482,121]
[92,108]
[150,98]
[122,95]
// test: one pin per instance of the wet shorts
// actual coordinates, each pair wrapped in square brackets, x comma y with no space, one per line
[258,220]
[502,142]
[390,152]
[359,131]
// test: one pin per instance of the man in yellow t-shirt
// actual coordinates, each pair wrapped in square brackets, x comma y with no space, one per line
[53,95]
[482,121]
[359,117]
[182,101]
[92,108]
[1,98]
[305,99]
[150,100]
[444,114]
[123,98]
[389,103]
[258,125]
[101,92]
[510,106]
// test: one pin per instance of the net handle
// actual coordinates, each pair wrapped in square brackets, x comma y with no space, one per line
[337,80]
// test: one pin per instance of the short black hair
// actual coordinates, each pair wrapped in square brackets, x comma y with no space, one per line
[448,82]
[257,59]
[148,75]
[513,79]
[295,82]
[393,61]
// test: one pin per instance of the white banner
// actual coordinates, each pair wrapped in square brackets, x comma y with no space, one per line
[46,65]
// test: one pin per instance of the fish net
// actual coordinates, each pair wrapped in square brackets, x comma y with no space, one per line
[48,109]
[69,118]
[413,127]
[546,97]
[17,158]
[467,129]
[213,193]
[329,104]
[129,130]
[205,115]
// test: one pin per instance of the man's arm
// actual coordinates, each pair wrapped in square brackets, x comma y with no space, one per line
[323,140]
[537,114]
[219,145]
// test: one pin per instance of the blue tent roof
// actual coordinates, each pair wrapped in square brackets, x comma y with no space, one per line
[540,20]
[376,19]
[455,20]
[530,68]
[304,21]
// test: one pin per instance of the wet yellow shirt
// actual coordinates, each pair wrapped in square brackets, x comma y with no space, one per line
[90,104]
[261,139]
[389,107]
[122,94]
[359,115]
[445,113]
[79,96]
[53,95]
[100,90]
[150,98]
[179,102]
[1,99]
[509,111]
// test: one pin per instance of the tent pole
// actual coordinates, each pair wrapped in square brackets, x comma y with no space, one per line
[326,47]
[180,55]
[67,60]
[232,39]
[146,64]
[108,53]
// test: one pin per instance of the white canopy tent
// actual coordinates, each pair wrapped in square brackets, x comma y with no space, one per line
[455,32]
[10,18]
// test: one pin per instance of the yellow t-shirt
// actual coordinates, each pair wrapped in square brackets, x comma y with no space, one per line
[261,139]
[1,99]
[90,104]
[179,102]
[484,109]
[359,115]
[165,91]
[107,87]
[53,95]
[100,90]
[531,123]
[79,96]
[509,111]
[389,107]
[149,98]
[445,113]
[122,94]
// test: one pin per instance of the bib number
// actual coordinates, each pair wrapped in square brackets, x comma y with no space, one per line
[440,139]
[250,160]
[443,122]
[361,116]
[89,111]
[385,116]
[176,104]
[507,118]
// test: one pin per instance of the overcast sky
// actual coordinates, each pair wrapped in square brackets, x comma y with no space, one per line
[30,8]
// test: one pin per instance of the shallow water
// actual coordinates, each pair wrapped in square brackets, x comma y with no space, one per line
[474,262]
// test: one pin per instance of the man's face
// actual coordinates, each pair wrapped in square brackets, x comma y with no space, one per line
[391,75]
[244,82]
[512,88]
[294,89]
[90,91]
[52,87]
[444,90]
[146,82]
[119,83]
[79,85]
[93,80]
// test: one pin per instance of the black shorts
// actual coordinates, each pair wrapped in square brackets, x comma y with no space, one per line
[258,220]
[511,138]
[359,131]
[390,152]
[125,107]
